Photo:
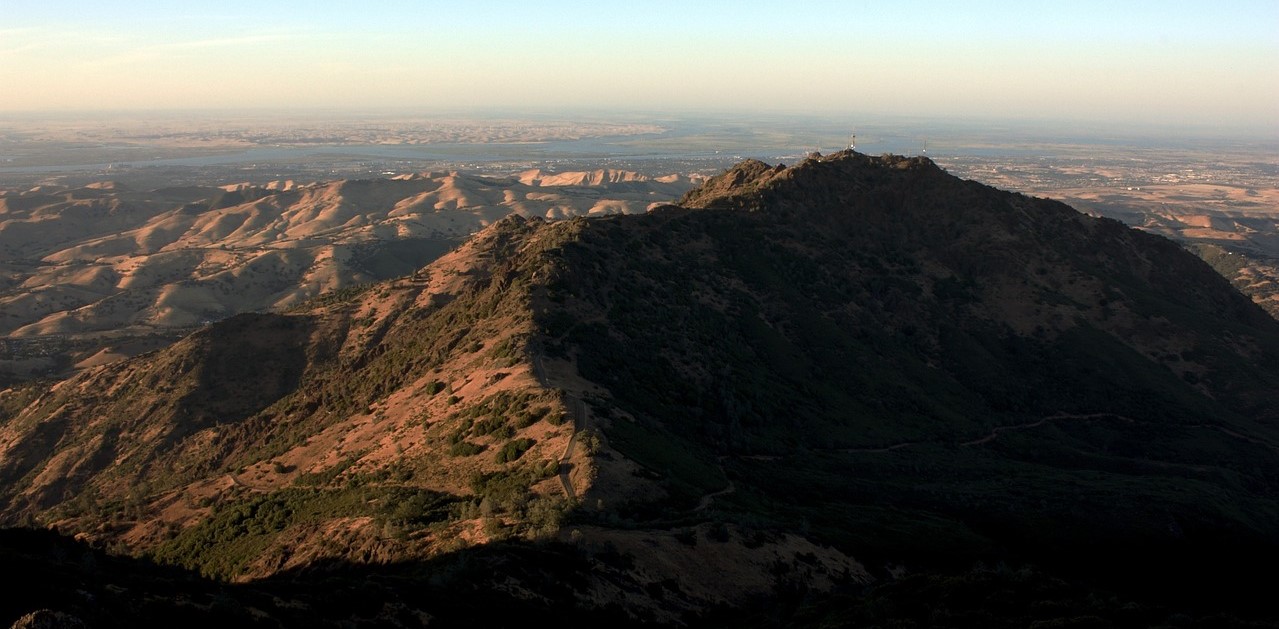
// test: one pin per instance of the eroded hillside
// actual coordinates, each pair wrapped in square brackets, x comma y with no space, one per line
[89,273]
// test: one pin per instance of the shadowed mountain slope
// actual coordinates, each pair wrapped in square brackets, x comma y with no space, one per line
[873,311]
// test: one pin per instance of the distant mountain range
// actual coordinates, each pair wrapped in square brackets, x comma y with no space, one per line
[856,391]
[104,260]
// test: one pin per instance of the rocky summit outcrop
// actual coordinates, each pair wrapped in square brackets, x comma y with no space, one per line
[833,393]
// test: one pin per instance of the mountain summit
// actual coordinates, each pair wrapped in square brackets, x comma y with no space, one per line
[802,395]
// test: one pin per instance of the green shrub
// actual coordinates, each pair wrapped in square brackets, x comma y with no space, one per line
[466,448]
[548,468]
[488,425]
[529,416]
[236,534]
[513,450]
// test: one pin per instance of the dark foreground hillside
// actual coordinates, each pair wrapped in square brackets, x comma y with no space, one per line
[853,392]
[71,582]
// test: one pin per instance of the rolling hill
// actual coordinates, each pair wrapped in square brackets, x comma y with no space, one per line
[88,271]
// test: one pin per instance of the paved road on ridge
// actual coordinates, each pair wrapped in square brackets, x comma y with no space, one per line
[577,409]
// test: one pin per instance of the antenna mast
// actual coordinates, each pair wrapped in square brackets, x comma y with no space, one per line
[852,141]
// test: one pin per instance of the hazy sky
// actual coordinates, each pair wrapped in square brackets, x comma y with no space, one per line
[1201,63]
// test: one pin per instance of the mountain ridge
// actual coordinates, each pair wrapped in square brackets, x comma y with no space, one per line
[823,375]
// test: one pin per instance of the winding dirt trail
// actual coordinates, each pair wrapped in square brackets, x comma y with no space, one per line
[895,446]
[995,433]
[235,481]
[1239,435]
[706,500]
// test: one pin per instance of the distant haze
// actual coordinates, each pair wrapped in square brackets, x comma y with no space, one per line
[1205,64]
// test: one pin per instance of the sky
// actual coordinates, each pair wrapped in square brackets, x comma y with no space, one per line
[1204,63]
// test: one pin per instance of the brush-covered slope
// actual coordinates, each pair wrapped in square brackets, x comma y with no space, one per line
[359,423]
[809,395]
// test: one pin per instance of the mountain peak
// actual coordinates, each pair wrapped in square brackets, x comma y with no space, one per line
[743,178]
[753,178]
